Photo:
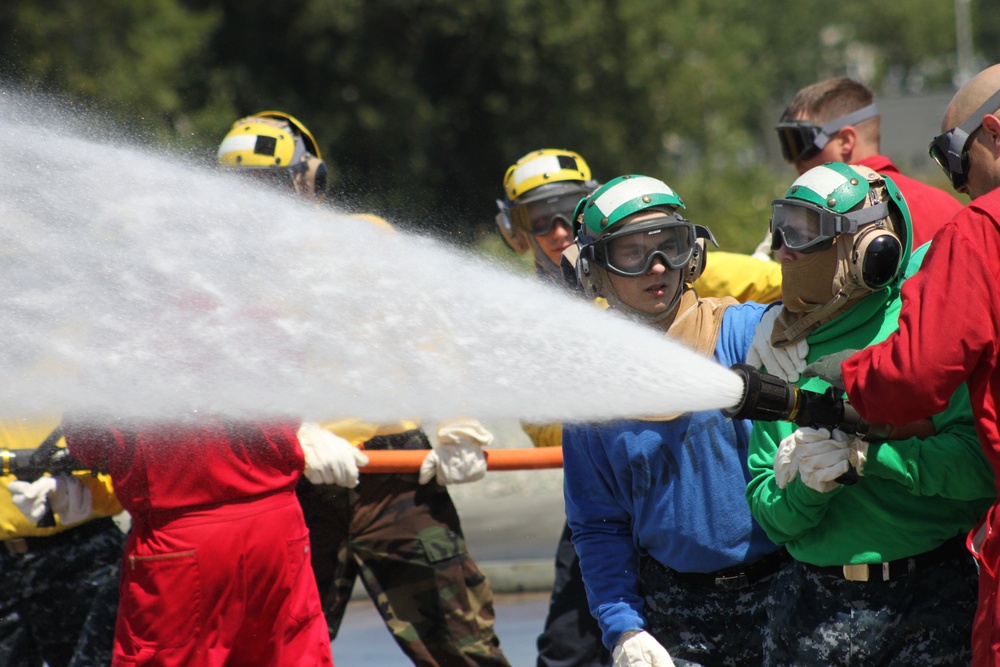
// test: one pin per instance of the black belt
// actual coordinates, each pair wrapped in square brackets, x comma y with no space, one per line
[735,578]
[894,569]
[17,546]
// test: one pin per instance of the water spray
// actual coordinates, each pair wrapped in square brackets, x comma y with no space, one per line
[145,285]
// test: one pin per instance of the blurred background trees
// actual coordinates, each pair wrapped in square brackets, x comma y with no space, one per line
[420,105]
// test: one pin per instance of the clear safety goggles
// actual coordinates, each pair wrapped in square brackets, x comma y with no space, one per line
[950,149]
[630,252]
[539,217]
[801,139]
[804,227]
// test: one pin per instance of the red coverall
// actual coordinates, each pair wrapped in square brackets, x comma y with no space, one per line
[930,207]
[216,569]
[949,333]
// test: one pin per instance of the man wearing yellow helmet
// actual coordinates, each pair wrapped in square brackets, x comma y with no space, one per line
[278,149]
[400,532]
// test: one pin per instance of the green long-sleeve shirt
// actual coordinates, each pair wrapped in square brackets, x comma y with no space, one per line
[914,494]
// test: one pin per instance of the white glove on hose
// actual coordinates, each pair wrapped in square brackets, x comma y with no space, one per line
[786,460]
[68,497]
[640,650]
[458,457]
[823,461]
[329,458]
[784,362]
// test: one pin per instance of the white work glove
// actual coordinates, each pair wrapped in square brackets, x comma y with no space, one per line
[784,362]
[821,461]
[640,650]
[458,457]
[68,497]
[329,458]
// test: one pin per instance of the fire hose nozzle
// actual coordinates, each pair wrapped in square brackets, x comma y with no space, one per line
[769,398]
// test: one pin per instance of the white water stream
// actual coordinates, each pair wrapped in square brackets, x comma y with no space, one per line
[144,285]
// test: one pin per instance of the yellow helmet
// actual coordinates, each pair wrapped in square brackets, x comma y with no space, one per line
[276,143]
[541,188]
[541,167]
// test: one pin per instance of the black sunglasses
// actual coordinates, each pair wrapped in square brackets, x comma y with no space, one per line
[950,149]
[801,139]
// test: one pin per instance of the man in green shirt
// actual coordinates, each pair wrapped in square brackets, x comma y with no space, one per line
[880,572]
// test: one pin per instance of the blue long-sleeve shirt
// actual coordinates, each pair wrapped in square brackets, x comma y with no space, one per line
[625,497]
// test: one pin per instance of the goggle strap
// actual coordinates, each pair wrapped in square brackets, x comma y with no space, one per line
[975,119]
[959,136]
[867,215]
[837,124]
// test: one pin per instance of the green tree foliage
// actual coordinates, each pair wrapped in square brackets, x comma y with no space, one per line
[128,59]
[420,105]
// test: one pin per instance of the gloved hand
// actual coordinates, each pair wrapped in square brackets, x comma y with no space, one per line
[783,362]
[640,649]
[786,460]
[329,458]
[69,498]
[823,460]
[458,457]
[828,368]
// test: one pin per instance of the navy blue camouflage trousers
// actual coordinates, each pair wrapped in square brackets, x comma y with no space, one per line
[59,598]
[701,624]
[924,618]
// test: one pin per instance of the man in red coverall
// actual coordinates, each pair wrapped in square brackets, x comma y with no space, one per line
[216,569]
[836,120]
[949,326]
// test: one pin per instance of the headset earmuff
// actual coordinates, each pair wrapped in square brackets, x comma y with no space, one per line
[512,236]
[876,257]
[699,254]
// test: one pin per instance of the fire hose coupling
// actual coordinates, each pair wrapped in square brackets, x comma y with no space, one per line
[768,398]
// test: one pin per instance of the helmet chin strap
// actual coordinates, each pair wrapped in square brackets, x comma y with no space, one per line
[814,318]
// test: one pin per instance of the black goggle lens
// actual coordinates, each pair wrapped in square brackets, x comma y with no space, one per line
[797,140]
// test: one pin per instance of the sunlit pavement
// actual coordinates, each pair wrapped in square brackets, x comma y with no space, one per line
[364,640]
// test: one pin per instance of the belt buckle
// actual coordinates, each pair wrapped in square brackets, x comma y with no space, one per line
[735,582]
[16,546]
[856,572]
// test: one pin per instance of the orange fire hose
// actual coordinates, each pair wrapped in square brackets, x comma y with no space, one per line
[409,460]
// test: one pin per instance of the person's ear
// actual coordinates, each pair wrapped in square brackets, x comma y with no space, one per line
[848,141]
[991,128]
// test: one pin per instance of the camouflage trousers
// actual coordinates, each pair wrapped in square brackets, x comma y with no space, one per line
[702,624]
[924,618]
[405,541]
[59,599]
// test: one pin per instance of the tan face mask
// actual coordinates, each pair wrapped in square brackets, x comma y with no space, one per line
[814,290]
[808,283]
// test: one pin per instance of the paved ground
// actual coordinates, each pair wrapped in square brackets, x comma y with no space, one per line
[365,642]
[512,522]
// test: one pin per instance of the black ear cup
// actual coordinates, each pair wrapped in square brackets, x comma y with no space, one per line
[876,257]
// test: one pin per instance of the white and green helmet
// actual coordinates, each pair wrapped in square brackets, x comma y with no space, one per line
[835,199]
[610,242]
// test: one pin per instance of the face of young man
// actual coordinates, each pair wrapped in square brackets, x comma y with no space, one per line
[556,241]
[653,292]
